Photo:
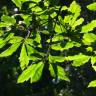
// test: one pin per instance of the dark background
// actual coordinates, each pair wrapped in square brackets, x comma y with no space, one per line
[80,77]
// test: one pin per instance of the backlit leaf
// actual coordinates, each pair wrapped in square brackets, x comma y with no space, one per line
[10,50]
[78,22]
[33,72]
[88,38]
[89,27]
[92,6]
[74,7]
[24,59]
[78,60]
[58,72]
[56,58]
[92,83]
[17,3]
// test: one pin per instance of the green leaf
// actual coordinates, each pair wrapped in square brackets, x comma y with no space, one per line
[78,22]
[88,38]
[27,19]
[10,50]
[65,46]
[38,38]
[78,60]
[74,7]
[58,28]
[57,46]
[15,39]
[29,41]
[17,3]
[89,27]
[57,37]
[36,1]
[64,8]
[92,83]
[59,72]
[75,10]
[93,60]
[67,18]
[33,72]
[54,14]
[36,9]
[24,59]
[4,41]
[71,44]
[92,6]
[55,59]
[33,54]
[8,19]
[94,67]
[74,18]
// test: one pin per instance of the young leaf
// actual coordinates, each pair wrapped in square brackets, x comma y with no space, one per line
[58,28]
[38,38]
[92,83]
[29,41]
[57,38]
[10,50]
[4,41]
[74,18]
[24,59]
[78,60]
[58,72]
[93,60]
[8,19]
[71,44]
[78,22]
[33,54]
[56,58]
[89,27]
[33,72]
[37,73]
[63,46]
[88,38]
[15,39]
[54,14]
[64,8]
[67,18]
[74,7]
[92,6]
[17,3]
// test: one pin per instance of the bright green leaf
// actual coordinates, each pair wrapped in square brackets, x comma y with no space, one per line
[78,60]
[92,83]
[93,60]
[33,54]
[56,58]
[92,6]
[78,22]
[67,18]
[58,72]
[33,72]
[74,7]
[24,59]
[10,50]
[17,3]
[89,27]
[88,38]
[64,8]
[54,14]
[15,39]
